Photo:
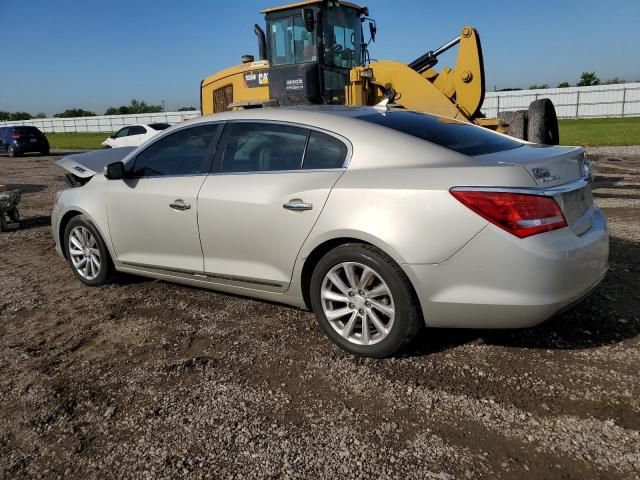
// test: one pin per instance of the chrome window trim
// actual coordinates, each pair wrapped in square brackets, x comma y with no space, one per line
[217,174]
[339,137]
[547,192]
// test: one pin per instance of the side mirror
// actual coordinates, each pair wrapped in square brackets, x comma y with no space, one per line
[113,135]
[309,19]
[373,29]
[114,171]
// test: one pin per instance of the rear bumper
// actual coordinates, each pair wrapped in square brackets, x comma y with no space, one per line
[500,281]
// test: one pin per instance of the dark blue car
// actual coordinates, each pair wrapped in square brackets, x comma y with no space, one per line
[18,140]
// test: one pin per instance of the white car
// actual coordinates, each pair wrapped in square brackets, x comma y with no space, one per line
[134,135]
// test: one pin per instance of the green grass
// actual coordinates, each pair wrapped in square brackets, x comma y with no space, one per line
[600,131]
[73,141]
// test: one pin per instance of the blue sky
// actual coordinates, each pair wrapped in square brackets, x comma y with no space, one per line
[63,54]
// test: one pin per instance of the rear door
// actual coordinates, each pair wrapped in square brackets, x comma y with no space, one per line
[137,136]
[153,215]
[259,205]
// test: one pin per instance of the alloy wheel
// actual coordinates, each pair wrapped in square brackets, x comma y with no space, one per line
[84,253]
[357,303]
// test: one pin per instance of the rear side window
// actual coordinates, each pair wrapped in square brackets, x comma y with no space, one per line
[159,126]
[137,130]
[30,131]
[452,134]
[185,152]
[262,147]
[324,151]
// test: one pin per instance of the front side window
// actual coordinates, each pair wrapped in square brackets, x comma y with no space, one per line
[263,147]
[342,38]
[185,152]
[290,42]
[324,151]
[123,132]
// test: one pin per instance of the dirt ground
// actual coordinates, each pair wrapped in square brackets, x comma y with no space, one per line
[144,379]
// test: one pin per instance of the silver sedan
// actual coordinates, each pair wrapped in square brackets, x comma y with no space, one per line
[379,220]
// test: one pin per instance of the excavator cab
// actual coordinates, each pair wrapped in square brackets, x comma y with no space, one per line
[311,47]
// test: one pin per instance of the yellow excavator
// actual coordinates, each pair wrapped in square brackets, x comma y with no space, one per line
[315,52]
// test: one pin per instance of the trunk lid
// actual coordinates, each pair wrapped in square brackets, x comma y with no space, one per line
[549,166]
[561,172]
[86,165]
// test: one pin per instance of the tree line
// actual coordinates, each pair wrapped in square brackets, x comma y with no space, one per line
[587,79]
[134,107]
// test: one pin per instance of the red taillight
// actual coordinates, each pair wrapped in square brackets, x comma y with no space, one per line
[520,214]
[15,135]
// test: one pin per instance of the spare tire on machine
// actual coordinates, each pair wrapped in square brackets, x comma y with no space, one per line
[543,123]
[516,123]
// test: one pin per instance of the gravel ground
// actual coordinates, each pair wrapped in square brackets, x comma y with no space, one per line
[143,379]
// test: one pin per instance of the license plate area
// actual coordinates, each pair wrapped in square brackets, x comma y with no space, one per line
[577,206]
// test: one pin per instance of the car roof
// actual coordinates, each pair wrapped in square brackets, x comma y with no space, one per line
[318,115]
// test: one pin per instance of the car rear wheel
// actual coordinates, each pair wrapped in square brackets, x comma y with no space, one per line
[45,152]
[364,301]
[86,252]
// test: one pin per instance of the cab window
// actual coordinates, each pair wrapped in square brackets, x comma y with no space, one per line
[290,42]
[185,152]
[342,34]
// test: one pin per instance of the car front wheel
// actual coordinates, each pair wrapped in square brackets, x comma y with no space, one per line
[364,301]
[86,252]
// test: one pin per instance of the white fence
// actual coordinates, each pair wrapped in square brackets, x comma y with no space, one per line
[621,100]
[104,123]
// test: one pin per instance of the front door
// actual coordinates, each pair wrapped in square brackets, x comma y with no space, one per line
[263,199]
[153,213]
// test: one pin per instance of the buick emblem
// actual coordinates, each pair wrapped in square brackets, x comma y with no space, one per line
[540,172]
[543,174]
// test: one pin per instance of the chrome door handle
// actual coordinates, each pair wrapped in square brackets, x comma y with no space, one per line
[180,205]
[297,206]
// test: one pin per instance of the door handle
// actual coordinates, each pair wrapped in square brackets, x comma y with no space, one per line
[180,205]
[297,205]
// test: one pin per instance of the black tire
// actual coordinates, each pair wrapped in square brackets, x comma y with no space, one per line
[14,215]
[407,319]
[106,265]
[11,150]
[45,153]
[543,123]
[516,123]
[105,147]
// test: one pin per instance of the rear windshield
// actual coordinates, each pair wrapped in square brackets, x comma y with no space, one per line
[452,134]
[27,131]
[159,126]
